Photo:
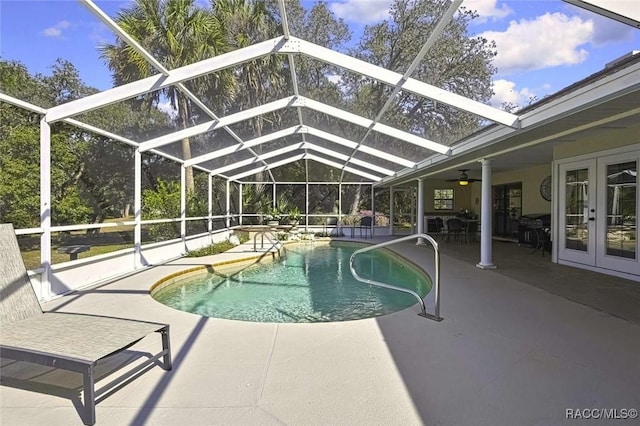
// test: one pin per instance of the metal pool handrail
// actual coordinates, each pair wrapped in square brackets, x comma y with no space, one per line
[423,310]
[264,234]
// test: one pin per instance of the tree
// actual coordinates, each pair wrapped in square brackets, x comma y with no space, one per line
[20,149]
[456,62]
[177,33]
[92,176]
[261,80]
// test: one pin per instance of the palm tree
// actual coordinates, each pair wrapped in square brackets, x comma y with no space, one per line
[176,33]
[247,22]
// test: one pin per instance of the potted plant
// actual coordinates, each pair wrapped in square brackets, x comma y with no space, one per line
[273,216]
[294,216]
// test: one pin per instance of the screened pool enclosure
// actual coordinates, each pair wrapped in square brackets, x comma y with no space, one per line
[296,135]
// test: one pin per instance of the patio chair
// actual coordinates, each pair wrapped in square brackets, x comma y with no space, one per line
[366,223]
[73,342]
[435,226]
[455,227]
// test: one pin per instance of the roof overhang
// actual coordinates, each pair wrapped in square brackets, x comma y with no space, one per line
[614,95]
[625,11]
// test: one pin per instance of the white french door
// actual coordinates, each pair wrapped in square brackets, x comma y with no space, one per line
[577,218]
[618,208]
[598,212]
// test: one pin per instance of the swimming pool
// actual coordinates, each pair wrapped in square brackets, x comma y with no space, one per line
[311,283]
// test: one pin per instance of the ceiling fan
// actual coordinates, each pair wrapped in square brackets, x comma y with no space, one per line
[464,179]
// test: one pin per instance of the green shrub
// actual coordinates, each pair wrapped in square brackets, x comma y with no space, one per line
[214,248]
[334,234]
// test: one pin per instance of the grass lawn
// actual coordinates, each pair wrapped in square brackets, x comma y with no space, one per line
[32,257]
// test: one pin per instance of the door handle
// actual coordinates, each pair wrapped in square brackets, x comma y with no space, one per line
[592,218]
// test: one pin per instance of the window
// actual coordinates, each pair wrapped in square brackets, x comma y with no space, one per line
[443,199]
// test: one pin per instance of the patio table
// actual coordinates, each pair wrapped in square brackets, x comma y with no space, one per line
[74,250]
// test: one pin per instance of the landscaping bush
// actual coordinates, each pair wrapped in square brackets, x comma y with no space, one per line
[217,248]
[214,248]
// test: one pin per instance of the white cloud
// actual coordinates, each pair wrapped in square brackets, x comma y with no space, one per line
[165,106]
[488,9]
[607,30]
[504,91]
[362,11]
[549,40]
[56,30]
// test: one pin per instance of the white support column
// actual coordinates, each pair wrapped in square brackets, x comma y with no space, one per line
[137,209]
[373,211]
[45,209]
[227,220]
[340,206]
[240,203]
[420,218]
[210,203]
[274,194]
[486,261]
[306,206]
[391,210]
[183,205]
[413,210]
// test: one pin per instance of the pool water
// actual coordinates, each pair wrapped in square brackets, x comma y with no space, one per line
[311,283]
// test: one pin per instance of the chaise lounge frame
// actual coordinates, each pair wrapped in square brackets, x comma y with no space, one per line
[73,342]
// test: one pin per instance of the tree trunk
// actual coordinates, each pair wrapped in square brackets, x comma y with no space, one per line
[356,201]
[186,144]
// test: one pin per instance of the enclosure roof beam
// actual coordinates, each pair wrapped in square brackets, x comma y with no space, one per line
[265,156]
[346,158]
[339,166]
[33,108]
[269,167]
[22,104]
[292,64]
[305,146]
[301,130]
[157,82]
[216,124]
[411,85]
[377,127]
[301,157]
[106,19]
[283,18]
[435,34]
[250,143]
[363,148]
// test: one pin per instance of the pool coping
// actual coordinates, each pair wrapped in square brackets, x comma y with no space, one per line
[173,277]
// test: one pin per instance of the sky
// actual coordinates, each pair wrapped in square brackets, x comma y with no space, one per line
[543,45]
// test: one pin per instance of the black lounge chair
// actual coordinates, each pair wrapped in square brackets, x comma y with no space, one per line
[74,342]
[366,224]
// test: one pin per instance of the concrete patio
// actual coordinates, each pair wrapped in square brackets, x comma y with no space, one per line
[518,346]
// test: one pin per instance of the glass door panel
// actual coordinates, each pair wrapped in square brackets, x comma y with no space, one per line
[622,181]
[576,211]
[577,218]
[617,231]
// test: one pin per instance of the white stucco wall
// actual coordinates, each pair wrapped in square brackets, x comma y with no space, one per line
[532,201]
[69,276]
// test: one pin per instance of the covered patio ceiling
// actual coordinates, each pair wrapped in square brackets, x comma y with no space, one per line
[350,157]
